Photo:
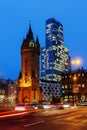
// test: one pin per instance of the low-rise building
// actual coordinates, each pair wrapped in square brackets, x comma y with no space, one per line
[74,86]
[8,91]
[50,89]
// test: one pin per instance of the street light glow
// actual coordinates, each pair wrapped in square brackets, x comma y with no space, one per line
[76,62]
[75,78]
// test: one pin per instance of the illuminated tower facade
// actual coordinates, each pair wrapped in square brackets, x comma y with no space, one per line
[54,56]
[28,81]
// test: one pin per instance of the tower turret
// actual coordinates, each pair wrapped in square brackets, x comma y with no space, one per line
[28,84]
[29,35]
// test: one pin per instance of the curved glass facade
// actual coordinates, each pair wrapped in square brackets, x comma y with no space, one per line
[54,56]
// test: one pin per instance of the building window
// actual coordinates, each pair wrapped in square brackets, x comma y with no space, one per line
[82,75]
[65,76]
[31,43]
[65,86]
[33,74]
[25,80]
[78,74]
[70,76]
[70,86]
[83,86]
[62,86]
[26,74]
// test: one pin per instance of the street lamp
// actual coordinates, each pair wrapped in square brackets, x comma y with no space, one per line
[75,78]
[76,62]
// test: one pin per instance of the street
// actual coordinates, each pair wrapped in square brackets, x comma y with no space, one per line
[67,119]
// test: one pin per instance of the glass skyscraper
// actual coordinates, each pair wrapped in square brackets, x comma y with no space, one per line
[54,56]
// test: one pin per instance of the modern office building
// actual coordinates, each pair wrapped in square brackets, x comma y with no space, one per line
[50,89]
[54,56]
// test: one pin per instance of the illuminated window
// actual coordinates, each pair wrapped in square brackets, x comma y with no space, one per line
[62,86]
[65,86]
[65,76]
[83,86]
[82,75]
[70,76]
[78,74]
[31,43]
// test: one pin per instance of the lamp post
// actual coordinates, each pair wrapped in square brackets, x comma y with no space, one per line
[75,89]
[76,63]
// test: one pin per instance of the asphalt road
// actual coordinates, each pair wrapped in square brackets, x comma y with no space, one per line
[68,119]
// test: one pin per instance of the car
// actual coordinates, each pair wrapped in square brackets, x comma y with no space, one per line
[34,105]
[66,105]
[47,106]
[58,106]
[25,106]
[20,107]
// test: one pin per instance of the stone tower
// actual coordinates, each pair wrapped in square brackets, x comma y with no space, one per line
[28,80]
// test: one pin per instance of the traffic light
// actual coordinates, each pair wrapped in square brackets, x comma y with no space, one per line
[83,98]
[63,91]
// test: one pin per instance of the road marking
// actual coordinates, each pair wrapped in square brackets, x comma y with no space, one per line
[34,123]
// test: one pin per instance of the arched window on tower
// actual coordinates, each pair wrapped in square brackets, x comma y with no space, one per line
[31,43]
[33,74]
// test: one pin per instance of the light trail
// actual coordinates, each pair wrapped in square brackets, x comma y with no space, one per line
[14,114]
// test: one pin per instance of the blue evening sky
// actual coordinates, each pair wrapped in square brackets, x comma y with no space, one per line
[14,24]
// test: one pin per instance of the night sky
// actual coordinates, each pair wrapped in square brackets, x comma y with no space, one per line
[15,17]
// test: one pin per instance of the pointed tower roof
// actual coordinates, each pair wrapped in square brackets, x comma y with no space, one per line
[38,45]
[23,43]
[37,40]
[20,75]
[29,36]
